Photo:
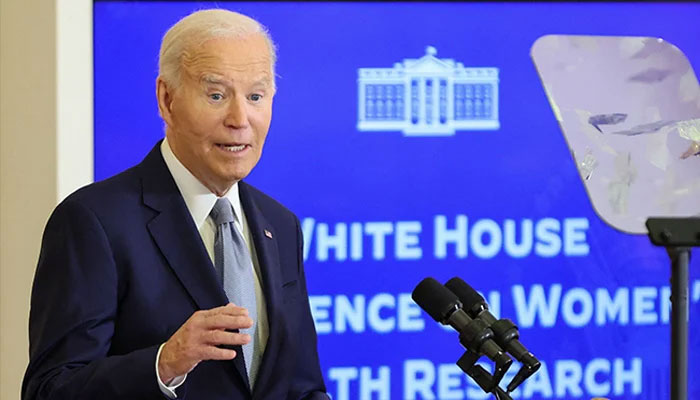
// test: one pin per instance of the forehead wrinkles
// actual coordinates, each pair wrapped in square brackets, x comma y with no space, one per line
[203,62]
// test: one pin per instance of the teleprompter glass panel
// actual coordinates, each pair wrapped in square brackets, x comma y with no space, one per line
[629,108]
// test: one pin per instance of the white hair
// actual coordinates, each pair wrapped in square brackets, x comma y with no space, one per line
[195,29]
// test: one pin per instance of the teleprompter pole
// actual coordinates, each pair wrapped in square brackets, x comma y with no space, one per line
[678,236]
[680,258]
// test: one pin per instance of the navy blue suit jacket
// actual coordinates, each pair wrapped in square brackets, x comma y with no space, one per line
[122,267]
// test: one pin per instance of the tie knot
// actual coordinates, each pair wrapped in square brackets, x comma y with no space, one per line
[222,213]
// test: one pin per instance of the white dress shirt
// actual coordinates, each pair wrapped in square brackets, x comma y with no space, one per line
[200,201]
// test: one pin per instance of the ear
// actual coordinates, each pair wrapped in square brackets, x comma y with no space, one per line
[164,94]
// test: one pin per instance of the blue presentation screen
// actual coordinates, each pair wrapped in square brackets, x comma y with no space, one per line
[416,140]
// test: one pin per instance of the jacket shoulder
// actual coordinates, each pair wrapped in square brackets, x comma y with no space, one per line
[109,193]
[266,202]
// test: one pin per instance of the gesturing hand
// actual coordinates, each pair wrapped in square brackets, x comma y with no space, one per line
[198,338]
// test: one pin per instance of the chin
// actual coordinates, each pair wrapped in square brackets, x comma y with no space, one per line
[238,173]
[235,177]
[230,173]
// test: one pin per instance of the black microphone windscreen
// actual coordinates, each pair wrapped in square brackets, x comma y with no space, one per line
[466,294]
[435,299]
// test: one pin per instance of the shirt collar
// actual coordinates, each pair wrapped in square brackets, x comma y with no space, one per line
[198,198]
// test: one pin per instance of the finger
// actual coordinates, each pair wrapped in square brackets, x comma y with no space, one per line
[232,309]
[227,322]
[216,353]
[207,319]
[224,337]
[229,308]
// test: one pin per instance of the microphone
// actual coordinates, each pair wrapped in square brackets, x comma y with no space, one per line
[474,334]
[505,332]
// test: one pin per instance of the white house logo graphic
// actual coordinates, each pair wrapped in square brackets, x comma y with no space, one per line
[427,96]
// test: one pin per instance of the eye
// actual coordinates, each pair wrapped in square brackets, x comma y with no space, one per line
[216,96]
[255,97]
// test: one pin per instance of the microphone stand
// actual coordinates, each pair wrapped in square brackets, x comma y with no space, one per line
[486,381]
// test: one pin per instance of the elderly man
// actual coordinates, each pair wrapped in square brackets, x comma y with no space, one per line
[175,278]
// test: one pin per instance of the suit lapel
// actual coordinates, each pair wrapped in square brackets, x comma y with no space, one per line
[178,239]
[265,242]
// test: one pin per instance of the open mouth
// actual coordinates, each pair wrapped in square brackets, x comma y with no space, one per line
[233,148]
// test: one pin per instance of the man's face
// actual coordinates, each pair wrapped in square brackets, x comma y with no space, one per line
[219,116]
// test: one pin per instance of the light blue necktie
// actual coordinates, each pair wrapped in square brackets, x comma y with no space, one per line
[235,268]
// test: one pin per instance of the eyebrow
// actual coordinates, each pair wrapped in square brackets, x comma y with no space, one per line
[218,80]
[265,82]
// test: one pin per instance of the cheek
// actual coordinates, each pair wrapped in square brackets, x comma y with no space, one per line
[261,121]
[203,124]
[206,115]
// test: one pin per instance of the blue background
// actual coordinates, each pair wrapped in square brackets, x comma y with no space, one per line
[318,164]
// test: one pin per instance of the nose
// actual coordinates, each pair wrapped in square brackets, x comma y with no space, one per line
[237,114]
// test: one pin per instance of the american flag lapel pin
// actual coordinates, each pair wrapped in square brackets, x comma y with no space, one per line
[268,233]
